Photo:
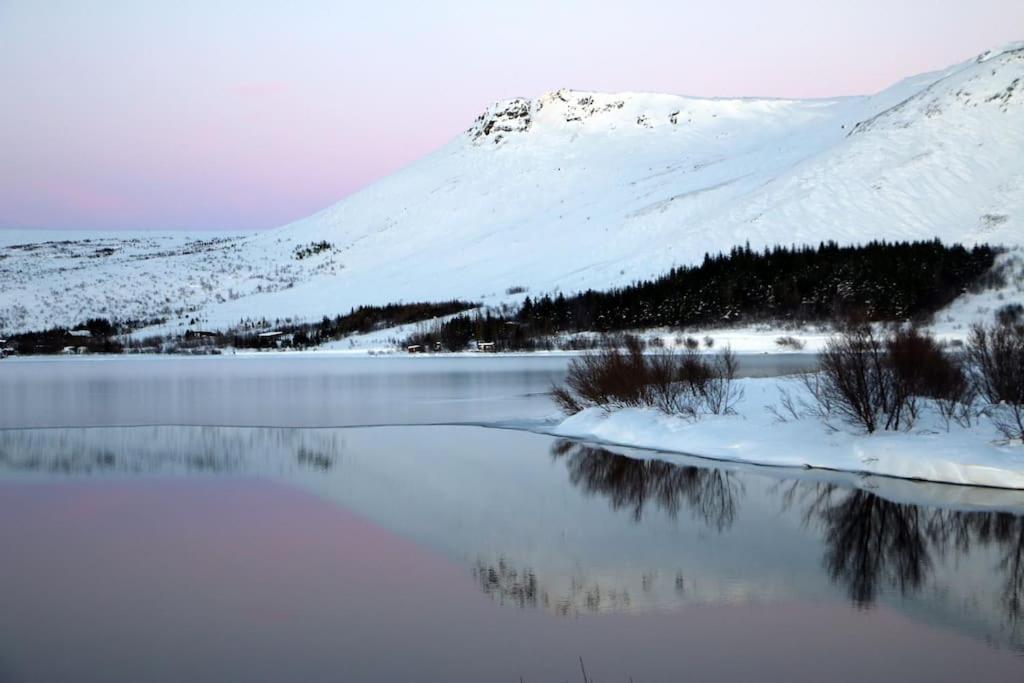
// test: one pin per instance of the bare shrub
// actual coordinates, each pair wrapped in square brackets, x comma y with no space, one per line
[1010,314]
[812,402]
[916,367]
[922,369]
[610,377]
[996,358]
[789,342]
[721,394]
[676,383]
[853,378]
[955,402]
[883,383]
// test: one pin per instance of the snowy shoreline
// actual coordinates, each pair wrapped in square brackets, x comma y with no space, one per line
[973,456]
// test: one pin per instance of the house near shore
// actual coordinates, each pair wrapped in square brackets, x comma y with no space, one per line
[275,338]
[485,347]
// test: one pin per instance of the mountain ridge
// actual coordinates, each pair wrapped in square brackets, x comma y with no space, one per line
[575,190]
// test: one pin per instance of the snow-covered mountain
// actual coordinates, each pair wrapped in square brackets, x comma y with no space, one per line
[575,190]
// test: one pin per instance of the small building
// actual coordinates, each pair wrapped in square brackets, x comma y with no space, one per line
[485,347]
[415,348]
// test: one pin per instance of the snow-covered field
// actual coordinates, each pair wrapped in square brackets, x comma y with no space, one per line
[575,190]
[975,456]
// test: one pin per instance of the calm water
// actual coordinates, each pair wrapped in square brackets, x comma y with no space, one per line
[291,390]
[459,553]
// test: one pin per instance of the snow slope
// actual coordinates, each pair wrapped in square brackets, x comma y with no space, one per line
[575,190]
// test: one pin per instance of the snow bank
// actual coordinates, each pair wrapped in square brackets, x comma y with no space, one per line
[972,456]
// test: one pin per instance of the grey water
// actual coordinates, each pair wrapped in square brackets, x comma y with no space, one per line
[220,519]
[292,390]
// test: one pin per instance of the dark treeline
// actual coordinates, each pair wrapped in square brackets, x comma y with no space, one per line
[96,335]
[878,281]
[103,335]
[358,321]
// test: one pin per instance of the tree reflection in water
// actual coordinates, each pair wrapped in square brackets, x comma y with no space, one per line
[709,494]
[1003,530]
[507,584]
[871,542]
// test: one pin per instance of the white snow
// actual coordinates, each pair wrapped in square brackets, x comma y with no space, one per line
[574,190]
[974,456]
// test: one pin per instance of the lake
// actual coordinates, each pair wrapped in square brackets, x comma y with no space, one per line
[221,519]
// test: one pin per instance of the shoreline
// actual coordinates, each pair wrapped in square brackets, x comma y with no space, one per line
[971,456]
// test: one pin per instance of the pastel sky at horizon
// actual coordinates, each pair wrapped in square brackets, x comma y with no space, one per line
[232,114]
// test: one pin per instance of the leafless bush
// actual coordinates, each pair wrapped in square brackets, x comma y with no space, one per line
[812,402]
[676,383]
[996,358]
[721,394]
[789,342]
[1010,314]
[853,377]
[917,368]
[880,383]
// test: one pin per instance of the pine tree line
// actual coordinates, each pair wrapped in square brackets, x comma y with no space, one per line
[877,281]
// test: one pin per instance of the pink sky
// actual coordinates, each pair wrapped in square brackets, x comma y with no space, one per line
[239,115]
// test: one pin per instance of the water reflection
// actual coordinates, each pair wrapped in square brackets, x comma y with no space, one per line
[317,460]
[869,540]
[167,450]
[710,495]
[507,584]
[871,543]
[515,587]
[570,528]
[1006,532]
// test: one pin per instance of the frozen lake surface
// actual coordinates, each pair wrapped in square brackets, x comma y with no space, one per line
[268,550]
[291,390]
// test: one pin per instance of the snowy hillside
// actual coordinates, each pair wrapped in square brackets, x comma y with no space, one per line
[575,190]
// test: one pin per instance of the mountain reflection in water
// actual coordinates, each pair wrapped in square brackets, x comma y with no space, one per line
[570,528]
